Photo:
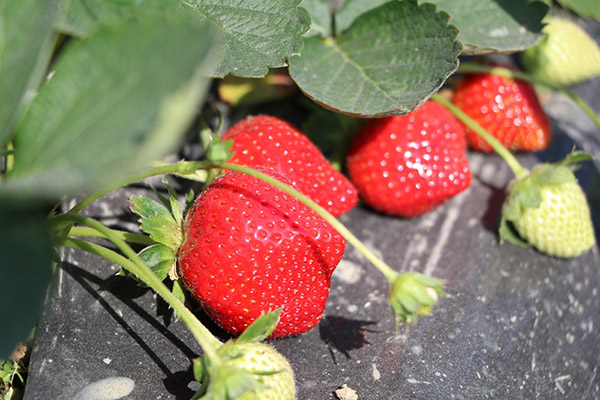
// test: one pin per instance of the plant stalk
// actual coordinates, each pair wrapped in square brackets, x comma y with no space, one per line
[82,231]
[516,167]
[181,167]
[135,265]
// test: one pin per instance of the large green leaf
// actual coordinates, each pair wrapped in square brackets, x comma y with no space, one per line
[350,10]
[496,26]
[25,270]
[583,8]
[258,34]
[117,100]
[82,17]
[388,62]
[320,17]
[486,26]
[25,42]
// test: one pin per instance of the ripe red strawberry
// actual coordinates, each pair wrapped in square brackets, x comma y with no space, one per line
[272,142]
[505,107]
[250,248]
[408,165]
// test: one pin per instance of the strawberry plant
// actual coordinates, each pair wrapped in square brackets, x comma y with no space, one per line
[95,95]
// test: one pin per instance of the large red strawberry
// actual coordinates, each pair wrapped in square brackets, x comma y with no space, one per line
[408,165]
[507,108]
[272,142]
[250,248]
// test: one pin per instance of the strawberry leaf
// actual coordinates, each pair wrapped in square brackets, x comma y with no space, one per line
[158,222]
[26,27]
[388,62]
[136,85]
[320,17]
[258,35]
[496,26]
[25,267]
[82,17]
[486,26]
[583,8]
[261,328]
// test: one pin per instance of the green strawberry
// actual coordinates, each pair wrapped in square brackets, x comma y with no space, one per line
[271,369]
[247,369]
[566,56]
[549,211]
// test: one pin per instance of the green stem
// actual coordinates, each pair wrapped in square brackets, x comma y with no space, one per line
[134,264]
[509,73]
[385,269]
[182,167]
[81,231]
[516,167]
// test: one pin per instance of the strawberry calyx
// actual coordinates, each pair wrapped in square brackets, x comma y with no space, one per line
[412,295]
[163,222]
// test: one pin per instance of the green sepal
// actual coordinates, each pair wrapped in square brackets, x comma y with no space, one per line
[158,222]
[552,174]
[200,368]
[172,202]
[528,193]
[261,328]
[229,383]
[159,258]
[575,157]
[410,296]
[508,233]
[219,151]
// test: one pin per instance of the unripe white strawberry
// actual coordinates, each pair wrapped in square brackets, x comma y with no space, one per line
[261,358]
[561,225]
[246,369]
[566,56]
[549,211]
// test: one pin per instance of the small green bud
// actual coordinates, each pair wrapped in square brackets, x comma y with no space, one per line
[412,295]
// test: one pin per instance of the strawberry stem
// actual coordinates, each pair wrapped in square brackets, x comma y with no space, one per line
[81,231]
[134,264]
[385,269]
[516,167]
[508,73]
[181,167]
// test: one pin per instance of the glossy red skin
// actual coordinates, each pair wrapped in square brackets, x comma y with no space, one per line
[272,142]
[506,108]
[408,165]
[251,248]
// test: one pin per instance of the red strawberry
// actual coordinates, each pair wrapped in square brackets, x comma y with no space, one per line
[251,248]
[408,165]
[505,107]
[272,142]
